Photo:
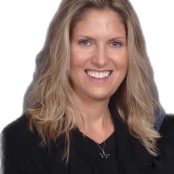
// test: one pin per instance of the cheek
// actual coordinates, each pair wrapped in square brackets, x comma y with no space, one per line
[79,60]
[76,57]
[121,69]
[125,63]
[121,61]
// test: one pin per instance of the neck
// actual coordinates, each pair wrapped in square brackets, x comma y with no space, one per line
[96,119]
[93,111]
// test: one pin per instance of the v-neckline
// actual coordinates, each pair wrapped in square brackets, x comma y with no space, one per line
[88,146]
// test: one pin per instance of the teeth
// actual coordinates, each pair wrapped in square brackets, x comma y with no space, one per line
[98,75]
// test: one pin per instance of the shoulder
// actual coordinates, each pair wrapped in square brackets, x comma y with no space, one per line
[167,126]
[24,151]
[20,147]
[18,133]
[164,162]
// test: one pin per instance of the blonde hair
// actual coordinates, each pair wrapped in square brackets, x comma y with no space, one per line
[49,101]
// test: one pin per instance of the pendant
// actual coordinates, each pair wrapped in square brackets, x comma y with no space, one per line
[104,155]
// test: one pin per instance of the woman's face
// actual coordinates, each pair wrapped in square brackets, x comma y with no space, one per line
[98,55]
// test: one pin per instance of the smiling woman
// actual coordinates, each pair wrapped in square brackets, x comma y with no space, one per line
[93,105]
[99,59]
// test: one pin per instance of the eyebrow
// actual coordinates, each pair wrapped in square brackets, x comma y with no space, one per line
[91,38]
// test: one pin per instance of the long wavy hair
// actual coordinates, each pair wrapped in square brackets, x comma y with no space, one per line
[49,102]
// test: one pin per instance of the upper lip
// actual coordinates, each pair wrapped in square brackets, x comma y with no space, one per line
[98,70]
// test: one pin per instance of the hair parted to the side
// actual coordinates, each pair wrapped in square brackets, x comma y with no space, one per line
[49,102]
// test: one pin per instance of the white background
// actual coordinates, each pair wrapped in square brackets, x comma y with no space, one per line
[23,26]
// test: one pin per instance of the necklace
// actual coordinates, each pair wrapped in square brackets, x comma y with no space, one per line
[103,154]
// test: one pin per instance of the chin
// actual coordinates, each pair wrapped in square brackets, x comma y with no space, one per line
[100,96]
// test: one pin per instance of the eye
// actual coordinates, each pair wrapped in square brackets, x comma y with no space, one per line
[84,42]
[116,44]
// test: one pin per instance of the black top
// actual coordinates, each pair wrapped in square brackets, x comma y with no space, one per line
[89,156]
[23,152]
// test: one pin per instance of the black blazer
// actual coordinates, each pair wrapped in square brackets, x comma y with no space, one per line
[23,152]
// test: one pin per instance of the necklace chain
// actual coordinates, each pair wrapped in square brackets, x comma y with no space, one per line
[103,154]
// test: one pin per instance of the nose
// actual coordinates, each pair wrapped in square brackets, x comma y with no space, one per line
[100,57]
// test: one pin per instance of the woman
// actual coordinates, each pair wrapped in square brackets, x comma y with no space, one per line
[93,106]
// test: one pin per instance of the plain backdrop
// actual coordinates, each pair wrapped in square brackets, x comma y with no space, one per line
[23,26]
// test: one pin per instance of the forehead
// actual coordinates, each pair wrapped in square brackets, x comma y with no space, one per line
[99,20]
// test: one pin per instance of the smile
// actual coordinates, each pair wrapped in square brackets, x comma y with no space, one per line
[98,74]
